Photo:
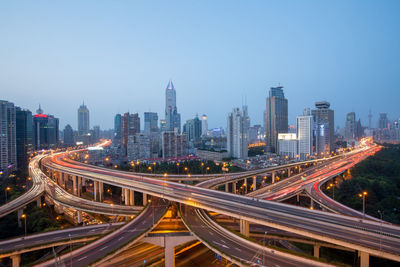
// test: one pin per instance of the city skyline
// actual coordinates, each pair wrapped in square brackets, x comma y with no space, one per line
[115,63]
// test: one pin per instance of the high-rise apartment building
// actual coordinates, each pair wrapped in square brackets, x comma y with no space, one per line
[130,125]
[237,133]
[150,122]
[68,136]
[288,145]
[204,125]
[350,128]
[383,121]
[172,117]
[117,129]
[24,136]
[8,148]
[305,127]
[193,130]
[45,130]
[139,147]
[83,120]
[324,125]
[276,117]
[173,145]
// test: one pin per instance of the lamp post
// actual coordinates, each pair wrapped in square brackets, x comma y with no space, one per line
[333,190]
[363,195]
[23,216]
[6,190]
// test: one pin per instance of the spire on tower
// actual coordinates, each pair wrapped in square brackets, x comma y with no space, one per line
[39,110]
[170,85]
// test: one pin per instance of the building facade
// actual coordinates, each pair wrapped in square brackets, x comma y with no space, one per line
[83,120]
[45,131]
[68,136]
[172,117]
[24,136]
[138,147]
[237,134]
[305,127]
[288,145]
[276,117]
[324,125]
[150,122]
[350,128]
[8,148]
[173,145]
[204,125]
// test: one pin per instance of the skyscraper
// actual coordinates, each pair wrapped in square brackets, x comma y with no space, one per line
[305,127]
[45,130]
[117,129]
[276,117]
[150,122]
[130,125]
[237,134]
[172,117]
[8,149]
[83,120]
[383,121]
[204,125]
[324,126]
[173,145]
[68,136]
[24,136]
[350,129]
[193,130]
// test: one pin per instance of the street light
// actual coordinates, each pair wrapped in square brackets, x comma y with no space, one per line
[363,195]
[6,190]
[333,190]
[23,216]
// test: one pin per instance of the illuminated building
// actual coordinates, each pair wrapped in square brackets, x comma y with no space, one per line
[8,149]
[237,133]
[324,126]
[287,145]
[45,130]
[172,117]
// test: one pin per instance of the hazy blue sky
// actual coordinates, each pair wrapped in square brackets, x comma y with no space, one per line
[118,56]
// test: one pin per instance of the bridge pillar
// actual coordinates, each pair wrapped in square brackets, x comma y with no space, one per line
[288,172]
[144,199]
[74,185]
[16,260]
[19,214]
[254,183]
[79,216]
[234,187]
[245,185]
[169,255]
[131,197]
[96,190]
[39,202]
[226,187]
[364,259]
[101,191]
[312,204]
[298,197]
[79,185]
[126,195]
[273,177]
[316,251]
[244,227]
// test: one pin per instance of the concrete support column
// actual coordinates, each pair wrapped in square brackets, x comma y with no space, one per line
[227,187]
[96,190]
[126,194]
[234,187]
[244,227]
[79,216]
[169,255]
[144,199]
[131,198]
[79,182]
[245,185]
[19,214]
[16,260]
[298,197]
[364,259]
[74,185]
[254,183]
[273,177]
[101,192]
[288,172]
[39,202]
[312,204]
[316,250]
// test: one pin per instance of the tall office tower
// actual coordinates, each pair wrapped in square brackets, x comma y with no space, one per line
[172,117]
[45,131]
[350,130]
[383,121]
[138,147]
[95,134]
[324,126]
[83,120]
[173,145]
[117,129]
[163,126]
[193,130]
[130,125]
[150,122]
[237,134]
[68,136]
[24,136]
[305,127]
[8,148]
[276,117]
[288,145]
[369,120]
[204,125]
[359,130]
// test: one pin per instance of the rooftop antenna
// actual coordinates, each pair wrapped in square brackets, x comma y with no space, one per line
[369,119]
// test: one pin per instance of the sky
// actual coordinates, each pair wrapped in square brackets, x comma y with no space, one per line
[118,56]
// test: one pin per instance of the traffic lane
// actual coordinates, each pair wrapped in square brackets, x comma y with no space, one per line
[123,237]
[20,243]
[233,246]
